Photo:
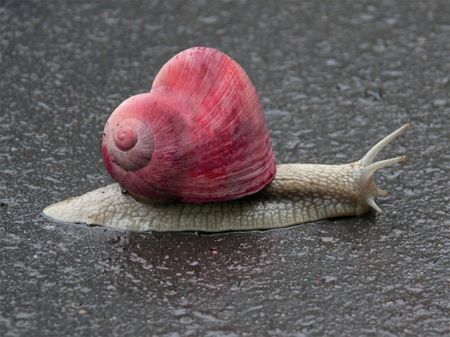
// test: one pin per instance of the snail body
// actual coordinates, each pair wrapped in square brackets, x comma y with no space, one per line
[300,193]
[195,154]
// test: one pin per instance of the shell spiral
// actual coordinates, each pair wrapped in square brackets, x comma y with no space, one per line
[199,135]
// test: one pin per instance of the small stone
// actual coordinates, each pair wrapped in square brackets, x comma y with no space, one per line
[331,62]
[439,102]
[329,279]
[327,239]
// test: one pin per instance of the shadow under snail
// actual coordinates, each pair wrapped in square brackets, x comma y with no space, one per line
[194,154]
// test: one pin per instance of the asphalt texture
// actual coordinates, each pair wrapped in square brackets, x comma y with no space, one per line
[334,78]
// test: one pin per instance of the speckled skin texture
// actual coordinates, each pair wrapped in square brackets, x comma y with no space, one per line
[334,76]
[299,194]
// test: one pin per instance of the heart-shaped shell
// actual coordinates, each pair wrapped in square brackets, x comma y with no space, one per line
[198,136]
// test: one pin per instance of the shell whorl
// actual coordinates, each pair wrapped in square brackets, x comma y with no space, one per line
[130,143]
[141,145]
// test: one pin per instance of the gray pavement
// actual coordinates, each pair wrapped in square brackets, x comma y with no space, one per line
[334,78]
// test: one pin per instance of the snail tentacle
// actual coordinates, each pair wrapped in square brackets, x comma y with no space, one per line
[373,152]
[369,167]
[372,168]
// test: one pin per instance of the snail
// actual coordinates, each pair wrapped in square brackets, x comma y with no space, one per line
[194,154]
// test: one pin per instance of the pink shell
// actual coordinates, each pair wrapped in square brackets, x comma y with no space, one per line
[198,136]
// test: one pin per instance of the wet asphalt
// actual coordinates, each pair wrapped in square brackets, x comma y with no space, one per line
[334,78]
